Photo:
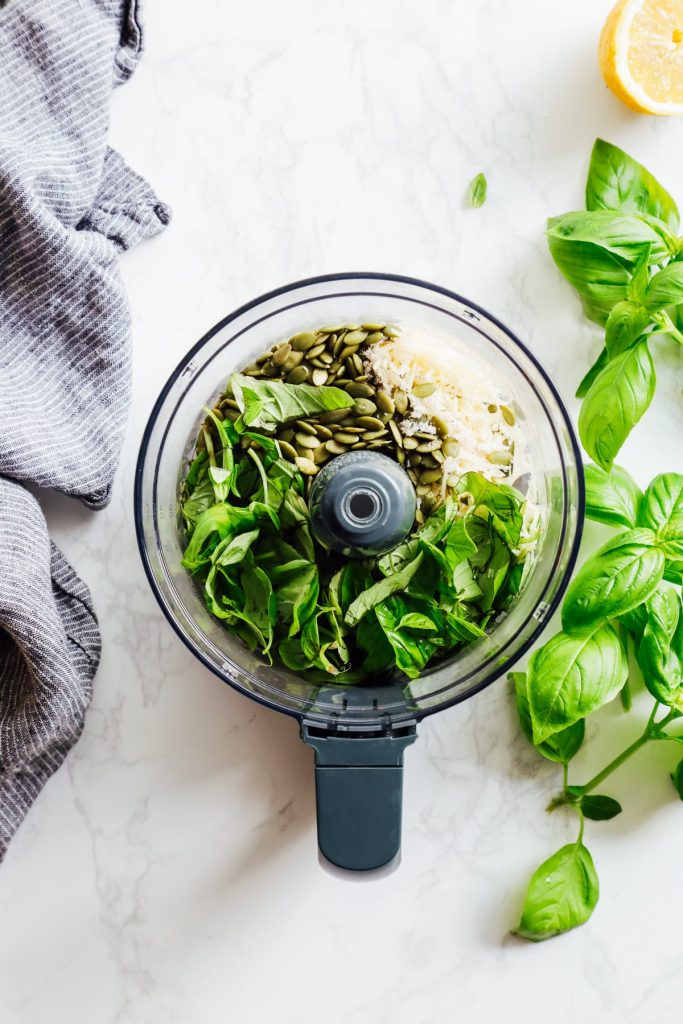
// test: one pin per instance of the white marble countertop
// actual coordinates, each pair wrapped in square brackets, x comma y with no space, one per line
[168,873]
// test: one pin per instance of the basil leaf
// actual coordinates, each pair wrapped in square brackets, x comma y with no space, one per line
[600,278]
[617,399]
[618,182]
[611,498]
[477,190]
[665,288]
[622,234]
[677,778]
[625,324]
[380,591]
[266,403]
[599,808]
[623,573]
[586,382]
[562,894]
[504,505]
[411,652]
[560,747]
[660,651]
[641,277]
[662,512]
[571,676]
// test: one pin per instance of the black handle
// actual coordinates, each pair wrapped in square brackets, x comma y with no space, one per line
[359,794]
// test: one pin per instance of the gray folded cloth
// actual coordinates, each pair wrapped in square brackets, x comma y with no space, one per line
[69,206]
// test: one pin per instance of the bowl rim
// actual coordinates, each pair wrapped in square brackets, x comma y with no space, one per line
[493,676]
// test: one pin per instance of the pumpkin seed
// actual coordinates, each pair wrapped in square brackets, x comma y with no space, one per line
[430,476]
[373,435]
[372,327]
[333,416]
[332,330]
[401,456]
[452,479]
[410,443]
[320,454]
[322,431]
[335,448]
[298,375]
[345,437]
[437,456]
[358,389]
[356,337]
[288,450]
[423,489]
[253,370]
[385,402]
[500,458]
[286,435]
[351,426]
[348,351]
[451,447]
[358,445]
[306,466]
[441,426]
[428,502]
[424,390]
[424,435]
[401,402]
[370,423]
[364,407]
[326,358]
[270,371]
[231,414]
[306,440]
[396,433]
[412,474]
[373,338]
[280,354]
[319,377]
[315,351]
[292,360]
[357,364]
[335,346]
[263,358]
[508,415]
[304,425]
[430,446]
[304,341]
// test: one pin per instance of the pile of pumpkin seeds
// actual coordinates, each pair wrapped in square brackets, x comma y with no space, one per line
[332,355]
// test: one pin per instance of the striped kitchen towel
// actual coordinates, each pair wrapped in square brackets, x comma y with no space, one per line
[69,206]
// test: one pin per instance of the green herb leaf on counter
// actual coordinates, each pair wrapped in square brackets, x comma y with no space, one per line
[599,808]
[477,191]
[612,498]
[561,746]
[562,894]
[618,182]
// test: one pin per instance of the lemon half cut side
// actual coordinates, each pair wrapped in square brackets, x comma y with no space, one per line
[641,54]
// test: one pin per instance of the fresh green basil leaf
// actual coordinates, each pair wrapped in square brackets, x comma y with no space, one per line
[504,505]
[611,498]
[662,512]
[624,235]
[586,382]
[200,500]
[232,550]
[599,808]
[617,399]
[562,894]
[660,651]
[677,778]
[417,621]
[625,324]
[260,606]
[560,747]
[380,591]
[572,676]
[623,573]
[618,182]
[477,190]
[641,277]
[491,580]
[267,403]
[600,278]
[412,652]
[665,288]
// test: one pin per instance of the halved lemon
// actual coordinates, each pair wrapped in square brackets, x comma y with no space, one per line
[641,54]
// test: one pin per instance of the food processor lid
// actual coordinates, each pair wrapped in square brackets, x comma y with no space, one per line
[362,504]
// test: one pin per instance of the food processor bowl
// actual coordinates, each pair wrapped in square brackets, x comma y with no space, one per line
[358,733]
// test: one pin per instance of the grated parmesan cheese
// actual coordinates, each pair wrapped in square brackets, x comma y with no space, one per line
[470,401]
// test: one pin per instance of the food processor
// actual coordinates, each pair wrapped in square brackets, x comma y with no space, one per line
[358,733]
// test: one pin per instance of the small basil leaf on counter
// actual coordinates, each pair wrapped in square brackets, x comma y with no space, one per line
[571,676]
[611,498]
[617,399]
[625,324]
[677,778]
[623,573]
[563,745]
[562,894]
[665,288]
[477,191]
[618,182]
[599,808]
[662,511]
[587,380]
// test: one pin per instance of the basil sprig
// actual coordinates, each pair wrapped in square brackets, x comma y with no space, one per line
[627,594]
[624,258]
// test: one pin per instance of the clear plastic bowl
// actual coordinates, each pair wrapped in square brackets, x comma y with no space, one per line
[202,375]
